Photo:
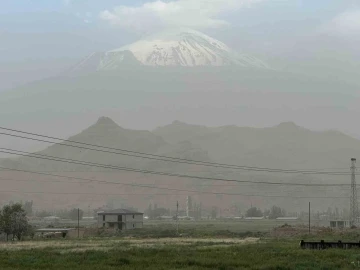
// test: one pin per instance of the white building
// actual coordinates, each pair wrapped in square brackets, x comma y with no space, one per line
[121,219]
[287,218]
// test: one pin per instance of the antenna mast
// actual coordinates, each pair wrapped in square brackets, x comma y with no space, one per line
[354,209]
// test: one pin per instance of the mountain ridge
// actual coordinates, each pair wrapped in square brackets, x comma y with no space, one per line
[107,139]
[286,145]
[271,147]
[282,146]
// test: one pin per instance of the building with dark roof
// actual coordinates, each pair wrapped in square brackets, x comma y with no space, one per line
[120,219]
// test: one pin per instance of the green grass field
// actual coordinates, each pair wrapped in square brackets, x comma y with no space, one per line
[203,245]
[139,254]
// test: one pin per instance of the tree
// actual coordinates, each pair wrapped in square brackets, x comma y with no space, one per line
[73,214]
[43,214]
[13,220]
[254,212]
[28,207]
[19,224]
[158,212]
[63,213]
[276,212]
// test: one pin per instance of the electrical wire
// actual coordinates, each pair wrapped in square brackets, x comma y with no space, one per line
[91,164]
[158,157]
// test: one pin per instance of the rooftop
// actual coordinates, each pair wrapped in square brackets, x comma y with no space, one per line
[119,212]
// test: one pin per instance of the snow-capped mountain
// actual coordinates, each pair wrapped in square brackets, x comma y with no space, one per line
[180,47]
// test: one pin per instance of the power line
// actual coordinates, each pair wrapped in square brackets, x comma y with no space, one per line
[158,194]
[150,194]
[163,158]
[158,157]
[257,169]
[112,183]
[79,162]
[201,185]
[163,188]
[87,193]
[177,160]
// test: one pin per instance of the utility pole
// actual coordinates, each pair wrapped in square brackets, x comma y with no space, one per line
[309,219]
[189,206]
[78,222]
[177,217]
[354,210]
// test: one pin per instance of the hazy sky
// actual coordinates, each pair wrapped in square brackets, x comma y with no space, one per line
[40,38]
[104,23]
[132,14]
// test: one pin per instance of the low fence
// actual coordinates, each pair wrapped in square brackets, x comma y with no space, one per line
[325,245]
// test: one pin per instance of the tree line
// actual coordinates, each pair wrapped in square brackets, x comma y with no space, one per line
[64,214]
[14,222]
[273,213]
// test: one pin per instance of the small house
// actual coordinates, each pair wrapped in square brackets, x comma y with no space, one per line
[339,224]
[120,219]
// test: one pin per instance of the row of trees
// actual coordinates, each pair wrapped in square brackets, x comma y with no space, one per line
[13,221]
[273,213]
[65,214]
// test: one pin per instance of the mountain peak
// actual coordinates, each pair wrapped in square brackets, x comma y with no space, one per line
[106,121]
[178,47]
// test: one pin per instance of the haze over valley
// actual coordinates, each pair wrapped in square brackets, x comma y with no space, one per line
[226,106]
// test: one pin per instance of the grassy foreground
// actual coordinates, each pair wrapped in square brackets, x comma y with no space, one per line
[172,254]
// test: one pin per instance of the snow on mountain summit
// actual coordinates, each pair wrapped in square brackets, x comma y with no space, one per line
[182,47]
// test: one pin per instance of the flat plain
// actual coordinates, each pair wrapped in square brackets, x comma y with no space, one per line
[157,246]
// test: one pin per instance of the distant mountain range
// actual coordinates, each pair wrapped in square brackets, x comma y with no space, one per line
[105,132]
[285,146]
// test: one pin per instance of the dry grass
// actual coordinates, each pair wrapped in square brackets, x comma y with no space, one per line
[190,241]
[105,245]
[49,244]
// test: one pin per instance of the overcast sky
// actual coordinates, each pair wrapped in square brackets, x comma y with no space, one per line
[269,23]
[41,37]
